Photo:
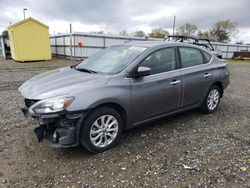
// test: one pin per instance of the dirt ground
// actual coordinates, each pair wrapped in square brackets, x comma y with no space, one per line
[147,156]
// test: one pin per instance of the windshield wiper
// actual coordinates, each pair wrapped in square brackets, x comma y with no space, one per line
[86,70]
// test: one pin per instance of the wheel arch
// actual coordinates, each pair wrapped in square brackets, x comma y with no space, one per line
[220,86]
[118,108]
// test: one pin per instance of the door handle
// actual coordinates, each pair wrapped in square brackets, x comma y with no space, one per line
[207,75]
[174,82]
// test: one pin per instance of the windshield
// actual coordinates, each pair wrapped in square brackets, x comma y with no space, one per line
[111,60]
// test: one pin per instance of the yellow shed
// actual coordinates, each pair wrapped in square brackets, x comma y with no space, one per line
[29,41]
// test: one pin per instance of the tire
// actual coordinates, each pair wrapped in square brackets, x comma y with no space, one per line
[212,100]
[101,130]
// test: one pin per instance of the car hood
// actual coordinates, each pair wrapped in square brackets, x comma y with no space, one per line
[63,81]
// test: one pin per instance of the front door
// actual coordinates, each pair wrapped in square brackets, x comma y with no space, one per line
[158,93]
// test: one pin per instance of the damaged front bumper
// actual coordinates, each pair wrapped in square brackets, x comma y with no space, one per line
[60,129]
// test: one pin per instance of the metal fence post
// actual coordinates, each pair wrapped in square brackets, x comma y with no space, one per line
[104,41]
[227,52]
[64,45]
[55,45]
[70,35]
[74,45]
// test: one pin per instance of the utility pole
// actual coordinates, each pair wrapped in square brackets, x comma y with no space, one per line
[174,24]
[24,9]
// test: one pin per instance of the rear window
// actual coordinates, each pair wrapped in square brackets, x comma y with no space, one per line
[207,57]
[190,57]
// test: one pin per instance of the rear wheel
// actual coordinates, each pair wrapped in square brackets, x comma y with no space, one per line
[101,130]
[212,100]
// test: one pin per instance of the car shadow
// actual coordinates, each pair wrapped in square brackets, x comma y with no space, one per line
[157,128]
[165,127]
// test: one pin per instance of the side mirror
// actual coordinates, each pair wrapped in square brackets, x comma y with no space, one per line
[142,71]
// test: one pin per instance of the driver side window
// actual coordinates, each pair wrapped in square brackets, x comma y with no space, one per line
[161,61]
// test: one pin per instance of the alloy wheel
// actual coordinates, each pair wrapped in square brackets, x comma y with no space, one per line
[213,99]
[104,131]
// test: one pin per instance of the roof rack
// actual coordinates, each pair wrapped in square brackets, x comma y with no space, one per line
[181,38]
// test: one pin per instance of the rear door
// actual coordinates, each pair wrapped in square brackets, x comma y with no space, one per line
[159,92]
[197,77]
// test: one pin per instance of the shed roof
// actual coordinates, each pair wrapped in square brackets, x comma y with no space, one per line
[26,20]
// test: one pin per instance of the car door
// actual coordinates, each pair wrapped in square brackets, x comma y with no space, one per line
[158,93]
[197,78]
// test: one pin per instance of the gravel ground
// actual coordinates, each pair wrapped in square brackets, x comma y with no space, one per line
[147,156]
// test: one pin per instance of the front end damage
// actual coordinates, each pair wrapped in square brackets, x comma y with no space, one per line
[61,129]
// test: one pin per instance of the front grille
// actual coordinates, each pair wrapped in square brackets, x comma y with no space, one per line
[29,102]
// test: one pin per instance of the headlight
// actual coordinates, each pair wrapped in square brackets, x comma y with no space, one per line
[51,105]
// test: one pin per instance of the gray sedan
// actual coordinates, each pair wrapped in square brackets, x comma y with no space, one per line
[120,87]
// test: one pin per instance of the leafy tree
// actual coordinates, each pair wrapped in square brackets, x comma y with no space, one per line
[139,34]
[158,33]
[221,31]
[187,29]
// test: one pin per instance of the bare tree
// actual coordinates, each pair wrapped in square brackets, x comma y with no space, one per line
[221,31]
[97,32]
[204,34]
[123,33]
[187,29]
[239,42]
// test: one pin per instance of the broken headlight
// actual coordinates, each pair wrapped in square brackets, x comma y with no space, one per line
[51,105]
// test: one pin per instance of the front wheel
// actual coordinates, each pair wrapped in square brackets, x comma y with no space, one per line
[212,100]
[101,130]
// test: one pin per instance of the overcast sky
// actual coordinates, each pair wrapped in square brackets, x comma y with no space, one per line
[131,15]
